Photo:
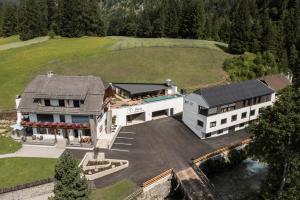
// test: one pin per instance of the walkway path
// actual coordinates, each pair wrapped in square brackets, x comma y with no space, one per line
[36,151]
[22,44]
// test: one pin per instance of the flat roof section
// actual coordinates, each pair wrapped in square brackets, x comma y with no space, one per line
[139,88]
[234,92]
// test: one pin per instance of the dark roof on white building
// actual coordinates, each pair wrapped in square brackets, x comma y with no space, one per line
[234,92]
[138,88]
[90,89]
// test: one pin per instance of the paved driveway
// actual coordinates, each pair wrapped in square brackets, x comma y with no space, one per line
[36,151]
[156,146]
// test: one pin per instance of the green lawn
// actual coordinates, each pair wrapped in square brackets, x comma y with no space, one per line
[14,171]
[189,63]
[10,39]
[117,191]
[8,145]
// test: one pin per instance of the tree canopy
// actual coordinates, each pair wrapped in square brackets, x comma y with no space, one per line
[70,184]
[277,142]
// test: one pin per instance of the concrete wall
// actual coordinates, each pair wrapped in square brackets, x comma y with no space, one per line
[147,108]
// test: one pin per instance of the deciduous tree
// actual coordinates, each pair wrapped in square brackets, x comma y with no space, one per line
[277,143]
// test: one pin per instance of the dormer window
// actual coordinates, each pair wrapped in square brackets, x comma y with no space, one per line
[61,103]
[47,102]
[76,103]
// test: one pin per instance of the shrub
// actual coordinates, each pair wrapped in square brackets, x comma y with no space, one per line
[236,156]
[213,166]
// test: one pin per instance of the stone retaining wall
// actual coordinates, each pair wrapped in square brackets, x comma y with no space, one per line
[159,191]
[28,193]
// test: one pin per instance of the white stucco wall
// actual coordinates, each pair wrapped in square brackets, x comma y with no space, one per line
[101,122]
[147,108]
[190,117]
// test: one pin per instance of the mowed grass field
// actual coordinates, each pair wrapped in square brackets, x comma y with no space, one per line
[15,171]
[8,40]
[189,63]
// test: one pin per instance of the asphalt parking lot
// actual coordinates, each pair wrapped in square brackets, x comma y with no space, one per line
[156,146]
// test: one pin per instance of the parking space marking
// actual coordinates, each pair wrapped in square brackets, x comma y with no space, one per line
[121,143]
[120,150]
[128,132]
[127,138]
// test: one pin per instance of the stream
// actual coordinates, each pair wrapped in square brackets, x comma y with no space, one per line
[242,182]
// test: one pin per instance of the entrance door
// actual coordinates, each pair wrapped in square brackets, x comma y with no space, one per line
[75,133]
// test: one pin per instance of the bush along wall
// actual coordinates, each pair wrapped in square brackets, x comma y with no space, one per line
[218,164]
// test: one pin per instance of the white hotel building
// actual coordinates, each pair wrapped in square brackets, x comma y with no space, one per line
[86,111]
[224,109]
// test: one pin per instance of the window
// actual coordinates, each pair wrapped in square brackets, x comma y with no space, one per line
[47,102]
[61,103]
[62,118]
[202,111]
[259,100]
[252,112]
[244,115]
[231,108]
[213,124]
[249,102]
[224,110]
[220,131]
[242,125]
[224,121]
[80,119]
[76,103]
[44,118]
[208,135]
[200,123]
[233,118]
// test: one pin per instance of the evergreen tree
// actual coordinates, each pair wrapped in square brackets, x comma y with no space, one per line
[52,15]
[93,24]
[240,35]
[69,182]
[32,19]
[9,21]
[193,20]
[171,18]
[268,33]
[1,18]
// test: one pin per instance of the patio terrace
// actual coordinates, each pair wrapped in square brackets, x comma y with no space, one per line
[119,101]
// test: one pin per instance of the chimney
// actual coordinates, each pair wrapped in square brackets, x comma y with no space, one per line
[168,82]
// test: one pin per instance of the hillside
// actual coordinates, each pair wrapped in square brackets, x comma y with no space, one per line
[189,63]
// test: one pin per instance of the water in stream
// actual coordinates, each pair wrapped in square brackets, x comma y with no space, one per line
[242,182]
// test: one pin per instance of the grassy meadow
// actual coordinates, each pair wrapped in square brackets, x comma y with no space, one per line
[117,191]
[8,40]
[15,171]
[189,63]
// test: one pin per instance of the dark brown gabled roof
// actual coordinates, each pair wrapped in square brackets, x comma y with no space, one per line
[91,89]
[277,82]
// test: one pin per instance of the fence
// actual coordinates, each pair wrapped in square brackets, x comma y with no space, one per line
[26,185]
